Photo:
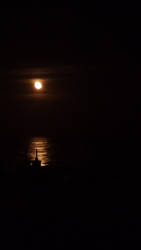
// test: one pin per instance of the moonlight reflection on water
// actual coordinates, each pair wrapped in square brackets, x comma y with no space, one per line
[42,145]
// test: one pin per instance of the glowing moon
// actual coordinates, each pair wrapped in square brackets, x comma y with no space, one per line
[38,85]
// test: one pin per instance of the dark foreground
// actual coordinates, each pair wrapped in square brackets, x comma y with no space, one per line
[67,209]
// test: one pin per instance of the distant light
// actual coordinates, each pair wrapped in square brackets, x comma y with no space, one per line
[38,85]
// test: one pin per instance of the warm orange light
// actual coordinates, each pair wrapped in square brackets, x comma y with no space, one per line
[38,85]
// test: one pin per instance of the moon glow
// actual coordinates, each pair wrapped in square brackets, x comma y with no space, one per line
[38,85]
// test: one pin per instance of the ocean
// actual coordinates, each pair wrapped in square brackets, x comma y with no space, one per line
[52,151]
[103,204]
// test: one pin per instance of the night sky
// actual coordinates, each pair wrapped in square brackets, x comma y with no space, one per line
[87,61]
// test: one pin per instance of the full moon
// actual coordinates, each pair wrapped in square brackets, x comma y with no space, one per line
[38,85]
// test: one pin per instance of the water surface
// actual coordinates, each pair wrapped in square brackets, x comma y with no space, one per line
[55,151]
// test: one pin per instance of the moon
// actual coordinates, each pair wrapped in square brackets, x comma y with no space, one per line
[38,85]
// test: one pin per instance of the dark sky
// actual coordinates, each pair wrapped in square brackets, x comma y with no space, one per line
[88,59]
[48,35]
